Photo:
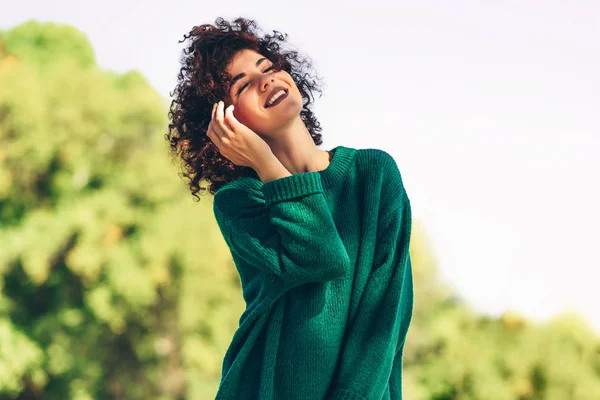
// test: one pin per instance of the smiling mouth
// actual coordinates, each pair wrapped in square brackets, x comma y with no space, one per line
[279,99]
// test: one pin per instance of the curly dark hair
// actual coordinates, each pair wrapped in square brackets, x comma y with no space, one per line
[203,80]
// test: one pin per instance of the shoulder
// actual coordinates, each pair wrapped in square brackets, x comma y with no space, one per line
[381,167]
[377,158]
[379,161]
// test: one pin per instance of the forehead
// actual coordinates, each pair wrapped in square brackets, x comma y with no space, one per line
[242,60]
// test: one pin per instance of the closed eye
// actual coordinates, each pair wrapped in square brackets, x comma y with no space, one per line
[242,87]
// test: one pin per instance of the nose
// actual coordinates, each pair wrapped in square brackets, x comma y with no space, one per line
[266,81]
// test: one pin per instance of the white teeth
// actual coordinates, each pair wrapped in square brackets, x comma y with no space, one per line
[276,96]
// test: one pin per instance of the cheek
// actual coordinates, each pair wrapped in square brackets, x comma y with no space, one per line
[245,111]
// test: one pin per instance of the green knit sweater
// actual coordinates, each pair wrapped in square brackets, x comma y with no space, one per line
[323,259]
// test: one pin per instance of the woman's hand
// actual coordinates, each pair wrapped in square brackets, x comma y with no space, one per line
[236,141]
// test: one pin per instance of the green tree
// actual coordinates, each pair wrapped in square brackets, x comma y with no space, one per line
[114,283]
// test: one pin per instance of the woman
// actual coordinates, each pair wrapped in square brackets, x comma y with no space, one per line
[320,239]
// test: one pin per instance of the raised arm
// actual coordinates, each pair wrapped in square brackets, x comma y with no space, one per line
[284,228]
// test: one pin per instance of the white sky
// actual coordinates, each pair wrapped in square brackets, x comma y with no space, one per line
[491,112]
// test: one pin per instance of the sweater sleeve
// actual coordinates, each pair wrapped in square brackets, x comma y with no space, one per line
[287,230]
[377,333]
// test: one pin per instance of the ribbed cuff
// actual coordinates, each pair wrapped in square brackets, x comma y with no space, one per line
[342,394]
[292,186]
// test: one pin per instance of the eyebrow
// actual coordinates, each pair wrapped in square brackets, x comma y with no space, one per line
[243,74]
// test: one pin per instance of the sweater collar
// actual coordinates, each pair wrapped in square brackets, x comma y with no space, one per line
[335,171]
[338,167]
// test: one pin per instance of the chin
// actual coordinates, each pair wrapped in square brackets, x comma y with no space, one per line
[286,115]
[289,108]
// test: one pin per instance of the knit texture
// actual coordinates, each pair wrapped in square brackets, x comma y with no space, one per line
[323,259]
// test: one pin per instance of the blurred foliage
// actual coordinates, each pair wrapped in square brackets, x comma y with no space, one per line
[114,284]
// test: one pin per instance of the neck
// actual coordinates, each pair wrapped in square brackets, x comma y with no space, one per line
[296,150]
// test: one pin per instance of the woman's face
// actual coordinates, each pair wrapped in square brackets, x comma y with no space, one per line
[253,84]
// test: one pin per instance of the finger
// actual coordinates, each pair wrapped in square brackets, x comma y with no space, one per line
[215,125]
[218,123]
[218,131]
[223,125]
[230,120]
[212,135]
[214,109]
[219,114]
[213,118]
[211,123]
